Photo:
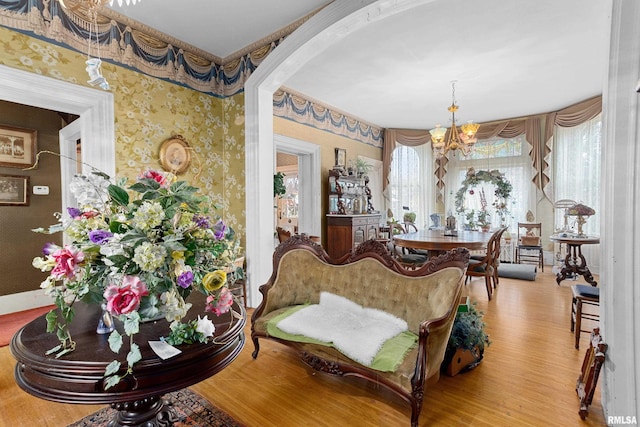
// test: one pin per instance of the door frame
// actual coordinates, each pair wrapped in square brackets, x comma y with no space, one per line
[309,185]
[96,122]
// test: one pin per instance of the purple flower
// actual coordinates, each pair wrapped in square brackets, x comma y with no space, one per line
[201,221]
[100,237]
[74,212]
[50,248]
[219,230]
[185,279]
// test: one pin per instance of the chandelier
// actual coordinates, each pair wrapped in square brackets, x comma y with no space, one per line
[94,4]
[120,2]
[462,140]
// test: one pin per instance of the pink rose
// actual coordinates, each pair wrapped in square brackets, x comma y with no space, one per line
[221,304]
[158,177]
[67,260]
[125,298]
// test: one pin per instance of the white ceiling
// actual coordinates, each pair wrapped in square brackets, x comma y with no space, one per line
[510,58]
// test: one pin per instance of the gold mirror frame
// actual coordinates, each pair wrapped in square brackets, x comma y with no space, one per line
[175,154]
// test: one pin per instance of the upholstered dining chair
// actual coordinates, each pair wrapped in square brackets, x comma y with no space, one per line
[411,227]
[529,244]
[487,266]
[402,255]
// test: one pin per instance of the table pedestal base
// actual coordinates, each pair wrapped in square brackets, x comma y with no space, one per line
[575,263]
[151,412]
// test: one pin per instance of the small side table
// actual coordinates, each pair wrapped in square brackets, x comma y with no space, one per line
[575,262]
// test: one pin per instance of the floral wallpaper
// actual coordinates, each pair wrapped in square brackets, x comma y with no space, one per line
[149,110]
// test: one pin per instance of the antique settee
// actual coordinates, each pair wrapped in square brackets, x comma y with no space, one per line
[426,298]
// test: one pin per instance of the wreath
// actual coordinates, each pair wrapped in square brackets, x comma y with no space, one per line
[495,177]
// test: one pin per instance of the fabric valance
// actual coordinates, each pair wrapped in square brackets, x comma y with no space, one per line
[531,126]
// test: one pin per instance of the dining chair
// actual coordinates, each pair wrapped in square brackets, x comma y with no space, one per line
[583,295]
[411,227]
[402,255]
[282,234]
[487,265]
[529,244]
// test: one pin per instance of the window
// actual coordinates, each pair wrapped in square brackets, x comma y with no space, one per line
[510,156]
[576,161]
[411,183]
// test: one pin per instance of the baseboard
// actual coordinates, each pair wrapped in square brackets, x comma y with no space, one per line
[24,301]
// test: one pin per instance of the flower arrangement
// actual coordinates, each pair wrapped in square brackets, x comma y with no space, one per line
[139,251]
[502,190]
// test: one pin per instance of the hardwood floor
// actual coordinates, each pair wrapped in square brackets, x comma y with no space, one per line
[527,378]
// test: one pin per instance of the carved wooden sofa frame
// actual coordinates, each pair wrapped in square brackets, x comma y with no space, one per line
[427,298]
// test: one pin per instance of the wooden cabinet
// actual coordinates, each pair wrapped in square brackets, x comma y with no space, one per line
[345,232]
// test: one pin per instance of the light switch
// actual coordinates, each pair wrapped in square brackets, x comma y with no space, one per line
[41,190]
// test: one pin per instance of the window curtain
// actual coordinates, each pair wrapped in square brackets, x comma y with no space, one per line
[410,186]
[504,129]
[576,176]
[574,115]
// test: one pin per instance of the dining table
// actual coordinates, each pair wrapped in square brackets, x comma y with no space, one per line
[436,242]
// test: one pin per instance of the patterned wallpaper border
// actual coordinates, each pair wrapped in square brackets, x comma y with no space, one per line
[312,113]
[138,47]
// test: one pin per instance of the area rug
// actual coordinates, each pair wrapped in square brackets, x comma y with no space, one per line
[193,410]
[518,271]
[10,323]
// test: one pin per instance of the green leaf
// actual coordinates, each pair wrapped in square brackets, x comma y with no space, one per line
[112,368]
[132,323]
[115,341]
[54,349]
[118,260]
[111,381]
[52,321]
[118,195]
[134,355]
[63,352]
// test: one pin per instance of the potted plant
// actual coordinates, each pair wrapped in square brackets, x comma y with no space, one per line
[279,189]
[409,217]
[467,341]
[483,220]
[470,217]
[362,167]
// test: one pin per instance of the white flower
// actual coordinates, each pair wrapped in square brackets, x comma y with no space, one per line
[149,257]
[90,191]
[149,215]
[174,306]
[205,326]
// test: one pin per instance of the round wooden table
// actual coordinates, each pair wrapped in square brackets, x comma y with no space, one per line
[77,377]
[436,242]
[575,262]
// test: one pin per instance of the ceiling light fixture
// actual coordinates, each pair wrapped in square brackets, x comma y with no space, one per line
[93,64]
[444,142]
[120,2]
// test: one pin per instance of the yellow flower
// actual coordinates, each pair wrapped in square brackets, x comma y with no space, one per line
[214,280]
[177,255]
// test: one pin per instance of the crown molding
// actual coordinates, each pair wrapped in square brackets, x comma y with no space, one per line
[122,19]
[329,107]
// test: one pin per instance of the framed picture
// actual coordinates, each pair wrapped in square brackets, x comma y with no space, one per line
[17,147]
[175,154]
[341,157]
[14,190]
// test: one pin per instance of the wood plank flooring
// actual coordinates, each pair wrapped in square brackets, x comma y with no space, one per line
[527,378]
